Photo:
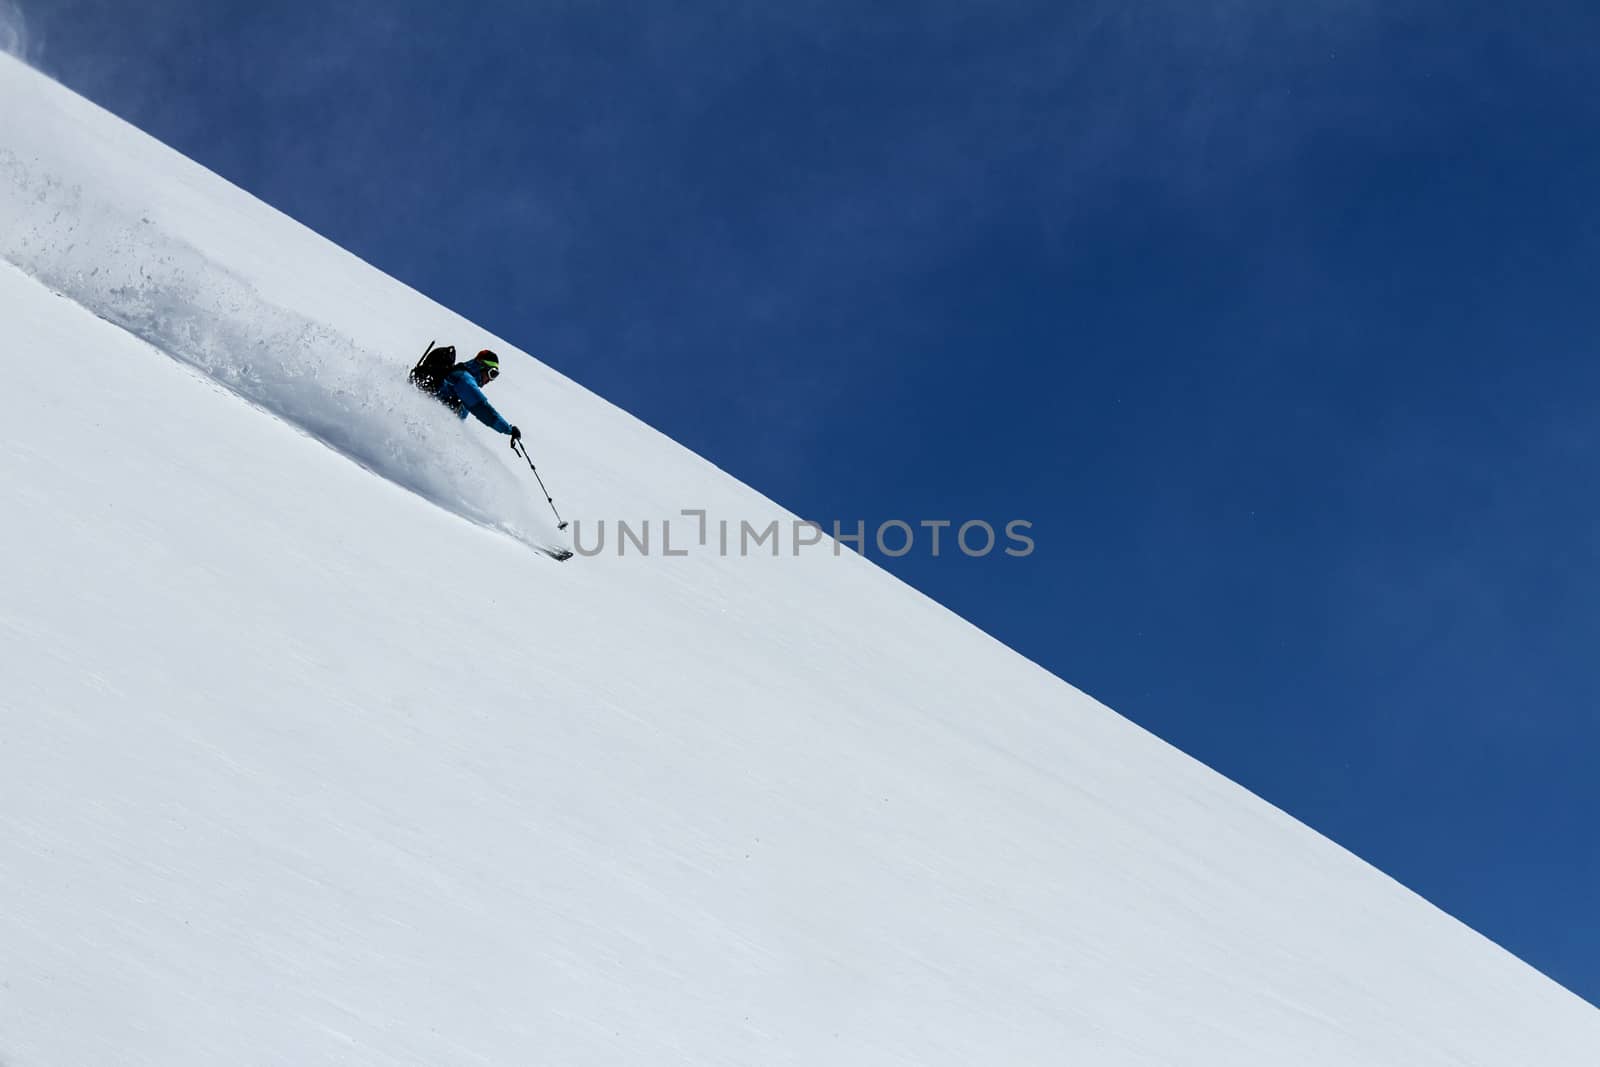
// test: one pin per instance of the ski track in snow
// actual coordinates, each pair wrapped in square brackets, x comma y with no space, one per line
[123,269]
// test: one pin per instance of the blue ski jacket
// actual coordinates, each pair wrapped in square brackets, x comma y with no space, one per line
[461,391]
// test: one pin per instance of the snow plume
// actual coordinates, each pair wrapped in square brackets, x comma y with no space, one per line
[13,31]
[124,269]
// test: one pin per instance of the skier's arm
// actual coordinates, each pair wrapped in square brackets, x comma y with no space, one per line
[486,414]
[473,400]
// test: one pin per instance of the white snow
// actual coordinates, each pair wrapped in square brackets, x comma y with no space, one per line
[299,767]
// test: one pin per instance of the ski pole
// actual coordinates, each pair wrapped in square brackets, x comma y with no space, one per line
[522,450]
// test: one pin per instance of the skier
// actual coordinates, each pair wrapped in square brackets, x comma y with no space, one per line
[461,390]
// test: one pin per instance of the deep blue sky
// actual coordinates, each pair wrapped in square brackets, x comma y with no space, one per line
[1278,320]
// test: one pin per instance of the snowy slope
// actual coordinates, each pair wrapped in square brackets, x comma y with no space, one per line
[629,811]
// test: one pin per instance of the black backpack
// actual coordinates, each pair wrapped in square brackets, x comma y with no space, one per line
[433,368]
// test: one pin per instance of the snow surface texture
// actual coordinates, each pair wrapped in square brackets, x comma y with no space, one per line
[298,768]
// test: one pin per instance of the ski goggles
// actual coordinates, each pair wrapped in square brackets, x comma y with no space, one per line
[491,371]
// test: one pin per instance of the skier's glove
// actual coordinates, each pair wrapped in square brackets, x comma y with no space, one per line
[516,436]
